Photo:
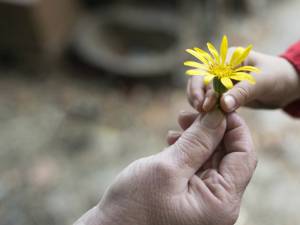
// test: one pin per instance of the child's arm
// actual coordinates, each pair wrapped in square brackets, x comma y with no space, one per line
[277,85]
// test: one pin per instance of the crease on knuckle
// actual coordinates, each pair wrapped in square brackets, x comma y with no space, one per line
[163,168]
[191,142]
[244,94]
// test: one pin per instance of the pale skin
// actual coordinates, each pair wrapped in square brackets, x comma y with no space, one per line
[277,85]
[199,179]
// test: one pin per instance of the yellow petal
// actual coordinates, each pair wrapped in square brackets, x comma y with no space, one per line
[248,69]
[208,79]
[243,76]
[205,54]
[241,56]
[213,51]
[236,55]
[196,72]
[198,56]
[195,64]
[224,48]
[227,82]
[244,55]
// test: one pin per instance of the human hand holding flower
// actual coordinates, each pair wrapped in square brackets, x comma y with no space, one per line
[199,179]
[276,85]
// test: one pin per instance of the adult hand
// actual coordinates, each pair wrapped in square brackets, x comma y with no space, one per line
[199,179]
[277,85]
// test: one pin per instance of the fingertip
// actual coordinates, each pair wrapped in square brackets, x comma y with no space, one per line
[173,136]
[209,103]
[196,104]
[234,121]
[228,103]
[238,129]
[186,118]
[214,119]
[206,105]
[195,91]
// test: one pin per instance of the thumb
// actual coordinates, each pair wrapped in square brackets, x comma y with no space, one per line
[198,142]
[239,95]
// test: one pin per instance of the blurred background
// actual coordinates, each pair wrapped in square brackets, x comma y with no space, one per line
[87,86]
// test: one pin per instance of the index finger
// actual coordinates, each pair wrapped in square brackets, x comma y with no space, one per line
[195,92]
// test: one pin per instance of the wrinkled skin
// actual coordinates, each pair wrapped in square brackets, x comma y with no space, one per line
[277,85]
[199,179]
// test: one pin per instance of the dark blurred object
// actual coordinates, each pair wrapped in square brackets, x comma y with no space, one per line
[144,38]
[130,40]
[238,6]
[150,3]
[33,30]
[93,3]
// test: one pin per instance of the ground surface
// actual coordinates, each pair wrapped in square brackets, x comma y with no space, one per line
[64,139]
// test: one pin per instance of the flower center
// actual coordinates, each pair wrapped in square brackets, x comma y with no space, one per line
[221,70]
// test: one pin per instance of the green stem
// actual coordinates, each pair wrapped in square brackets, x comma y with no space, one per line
[219,88]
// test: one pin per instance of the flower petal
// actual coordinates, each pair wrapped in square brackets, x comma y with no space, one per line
[247,69]
[227,82]
[205,54]
[195,65]
[196,72]
[213,51]
[243,76]
[224,48]
[241,55]
[208,78]
[236,55]
[198,56]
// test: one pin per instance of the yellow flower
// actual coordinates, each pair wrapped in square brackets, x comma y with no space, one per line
[216,66]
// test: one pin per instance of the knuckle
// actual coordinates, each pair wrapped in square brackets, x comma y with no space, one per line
[195,141]
[190,144]
[162,168]
[244,94]
[211,175]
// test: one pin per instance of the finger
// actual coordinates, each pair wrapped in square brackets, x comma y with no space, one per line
[185,119]
[210,101]
[198,142]
[238,165]
[239,95]
[195,91]
[173,136]
[214,161]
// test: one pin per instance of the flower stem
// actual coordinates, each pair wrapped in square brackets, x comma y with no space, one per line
[219,88]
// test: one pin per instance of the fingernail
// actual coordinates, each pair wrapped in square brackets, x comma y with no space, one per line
[213,119]
[205,105]
[230,102]
[172,133]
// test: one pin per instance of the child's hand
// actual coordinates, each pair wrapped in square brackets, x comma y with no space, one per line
[277,85]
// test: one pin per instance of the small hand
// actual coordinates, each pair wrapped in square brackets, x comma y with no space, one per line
[199,179]
[277,85]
